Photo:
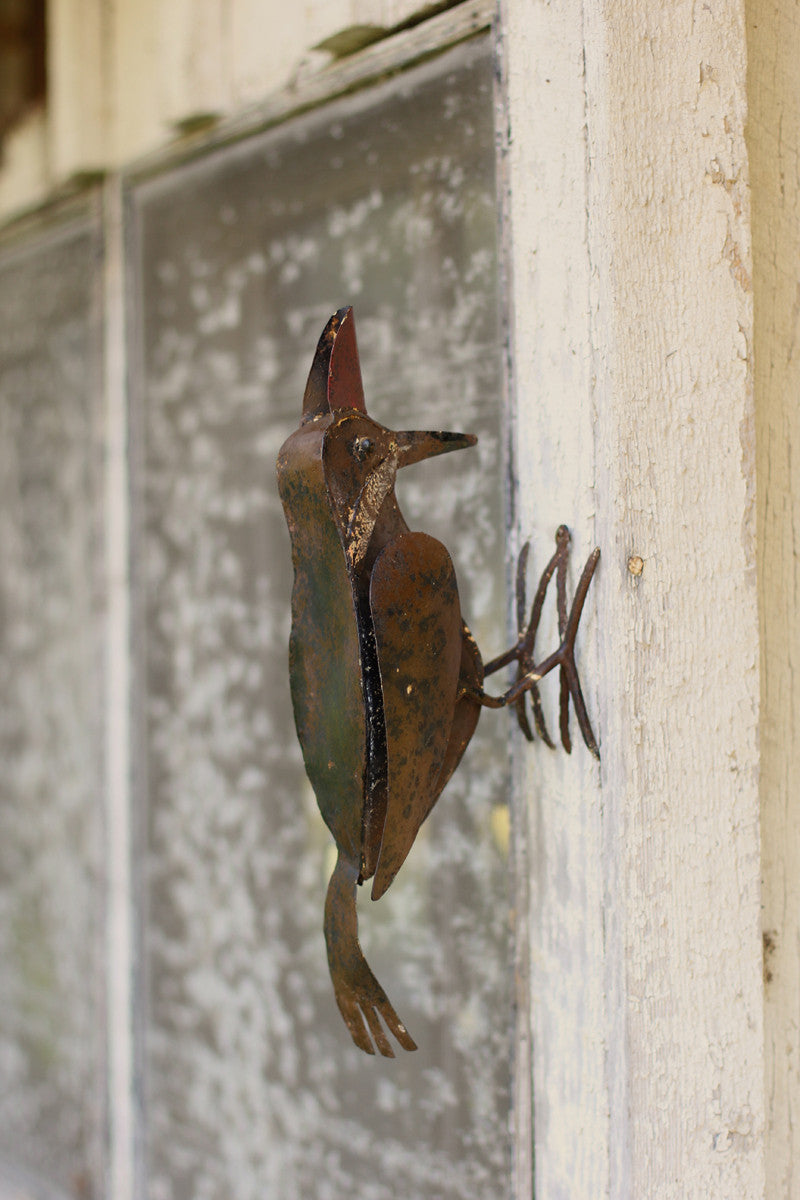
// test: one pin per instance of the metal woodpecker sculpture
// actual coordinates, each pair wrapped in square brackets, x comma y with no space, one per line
[387,681]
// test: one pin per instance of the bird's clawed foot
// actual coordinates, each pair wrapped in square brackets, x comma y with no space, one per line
[528,672]
[362,1003]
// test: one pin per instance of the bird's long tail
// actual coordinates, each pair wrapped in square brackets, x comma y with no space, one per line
[361,999]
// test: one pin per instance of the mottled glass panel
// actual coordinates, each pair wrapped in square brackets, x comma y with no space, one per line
[252,1087]
[51,979]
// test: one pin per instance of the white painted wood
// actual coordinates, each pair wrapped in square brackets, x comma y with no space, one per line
[335,79]
[774,146]
[546,175]
[271,46]
[138,119]
[631,332]
[669,245]
[127,79]
[193,58]
[77,85]
[119,900]
[268,48]
[24,169]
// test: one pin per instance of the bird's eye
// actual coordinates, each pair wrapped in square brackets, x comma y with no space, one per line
[362,447]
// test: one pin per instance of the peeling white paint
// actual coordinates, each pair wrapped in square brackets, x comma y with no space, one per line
[630,252]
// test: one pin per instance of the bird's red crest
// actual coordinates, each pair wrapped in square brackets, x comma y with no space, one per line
[334,380]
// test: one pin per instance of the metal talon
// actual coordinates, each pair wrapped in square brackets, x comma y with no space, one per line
[528,674]
[526,662]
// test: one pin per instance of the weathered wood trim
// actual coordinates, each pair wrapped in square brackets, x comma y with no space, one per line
[77,87]
[143,82]
[120,949]
[631,334]
[338,78]
[773,36]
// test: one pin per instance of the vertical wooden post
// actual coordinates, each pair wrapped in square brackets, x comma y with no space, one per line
[631,339]
[774,146]
[547,251]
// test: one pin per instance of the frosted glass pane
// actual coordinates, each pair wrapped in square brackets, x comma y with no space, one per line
[252,1087]
[51,1031]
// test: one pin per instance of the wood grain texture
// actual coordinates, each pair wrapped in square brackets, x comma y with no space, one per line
[550,347]
[631,337]
[773,33]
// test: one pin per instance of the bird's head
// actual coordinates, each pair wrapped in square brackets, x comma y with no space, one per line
[360,457]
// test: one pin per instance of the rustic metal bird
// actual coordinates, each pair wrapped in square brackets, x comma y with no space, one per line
[386,678]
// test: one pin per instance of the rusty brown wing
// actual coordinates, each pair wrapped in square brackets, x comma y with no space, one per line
[418,633]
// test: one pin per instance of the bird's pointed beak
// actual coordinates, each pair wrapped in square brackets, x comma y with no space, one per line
[414,445]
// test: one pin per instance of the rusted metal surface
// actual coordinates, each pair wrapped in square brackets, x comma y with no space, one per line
[387,681]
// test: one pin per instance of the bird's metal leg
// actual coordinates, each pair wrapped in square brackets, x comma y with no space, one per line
[361,999]
[563,683]
[528,674]
[522,652]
